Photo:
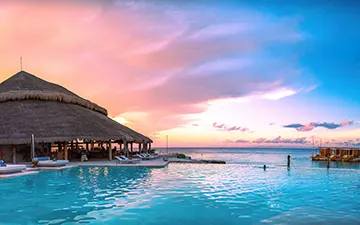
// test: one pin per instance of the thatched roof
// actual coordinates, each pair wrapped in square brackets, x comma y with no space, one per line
[30,105]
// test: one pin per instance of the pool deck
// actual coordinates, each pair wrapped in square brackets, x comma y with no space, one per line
[23,173]
[52,168]
[154,163]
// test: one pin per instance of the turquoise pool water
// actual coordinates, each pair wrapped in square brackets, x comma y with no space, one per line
[238,193]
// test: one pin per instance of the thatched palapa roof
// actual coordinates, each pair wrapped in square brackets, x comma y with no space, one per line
[30,105]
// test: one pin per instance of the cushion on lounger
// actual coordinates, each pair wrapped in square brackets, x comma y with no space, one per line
[41,159]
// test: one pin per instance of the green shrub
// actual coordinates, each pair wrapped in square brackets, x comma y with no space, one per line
[181,156]
[152,151]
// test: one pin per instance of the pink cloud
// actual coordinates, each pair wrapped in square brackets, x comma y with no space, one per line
[346,122]
[276,140]
[237,141]
[280,140]
[137,57]
[224,127]
[307,127]
[260,140]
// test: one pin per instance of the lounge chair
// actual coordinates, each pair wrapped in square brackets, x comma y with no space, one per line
[145,156]
[139,156]
[126,158]
[47,162]
[142,156]
[125,161]
[149,155]
[6,169]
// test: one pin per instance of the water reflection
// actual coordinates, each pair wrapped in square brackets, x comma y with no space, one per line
[70,194]
[206,194]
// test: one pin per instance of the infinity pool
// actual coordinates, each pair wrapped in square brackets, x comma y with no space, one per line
[183,194]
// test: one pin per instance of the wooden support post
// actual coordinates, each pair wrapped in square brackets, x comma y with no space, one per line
[14,154]
[110,151]
[92,145]
[132,148]
[140,148]
[66,154]
[144,147]
[126,148]
[328,161]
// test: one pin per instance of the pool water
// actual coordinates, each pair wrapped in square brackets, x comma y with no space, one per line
[237,193]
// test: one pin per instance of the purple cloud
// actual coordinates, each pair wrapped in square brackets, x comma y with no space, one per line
[355,142]
[238,141]
[279,139]
[219,126]
[312,125]
[260,140]
[227,128]
[294,125]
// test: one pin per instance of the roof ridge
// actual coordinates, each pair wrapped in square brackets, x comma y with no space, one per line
[50,96]
[26,86]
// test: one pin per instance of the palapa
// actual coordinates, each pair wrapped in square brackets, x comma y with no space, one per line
[30,105]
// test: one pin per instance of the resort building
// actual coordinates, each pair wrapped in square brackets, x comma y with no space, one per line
[338,154]
[62,123]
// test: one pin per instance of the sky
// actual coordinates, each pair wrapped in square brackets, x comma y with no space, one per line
[203,73]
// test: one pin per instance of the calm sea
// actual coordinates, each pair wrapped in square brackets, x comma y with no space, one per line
[300,157]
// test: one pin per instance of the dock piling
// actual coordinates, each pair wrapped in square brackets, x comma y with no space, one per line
[288,162]
[328,162]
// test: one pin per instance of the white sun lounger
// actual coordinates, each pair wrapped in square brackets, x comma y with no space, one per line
[46,162]
[149,156]
[125,161]
[143,156]
[6,169]
[126,158]
[139,156]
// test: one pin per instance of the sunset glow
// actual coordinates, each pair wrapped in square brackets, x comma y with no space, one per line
[235,74]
